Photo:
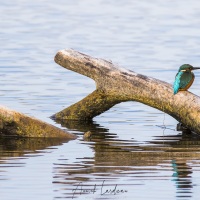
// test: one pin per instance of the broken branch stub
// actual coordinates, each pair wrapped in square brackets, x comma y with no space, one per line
[115,85]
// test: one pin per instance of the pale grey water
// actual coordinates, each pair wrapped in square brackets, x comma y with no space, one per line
[129,150]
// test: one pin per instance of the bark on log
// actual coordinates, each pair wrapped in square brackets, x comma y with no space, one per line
[13,123]
[115,85]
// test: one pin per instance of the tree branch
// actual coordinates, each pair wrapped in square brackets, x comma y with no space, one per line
[115,85]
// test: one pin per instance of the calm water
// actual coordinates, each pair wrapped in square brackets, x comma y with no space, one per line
[136,152]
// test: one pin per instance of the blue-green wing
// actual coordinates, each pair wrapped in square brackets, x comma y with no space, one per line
[186,78]
[177,81]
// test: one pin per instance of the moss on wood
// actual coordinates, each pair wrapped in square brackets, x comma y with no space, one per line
[115,85]
[13,123]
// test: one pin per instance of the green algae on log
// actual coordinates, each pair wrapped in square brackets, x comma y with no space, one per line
[13,123]
[92,105]
[115,85]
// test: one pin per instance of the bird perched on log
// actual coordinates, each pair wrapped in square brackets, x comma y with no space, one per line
[184,78]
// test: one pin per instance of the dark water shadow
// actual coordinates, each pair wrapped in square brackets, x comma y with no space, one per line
[17,147]
[80,128]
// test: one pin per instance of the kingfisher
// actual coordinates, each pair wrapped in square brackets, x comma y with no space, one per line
[184,78]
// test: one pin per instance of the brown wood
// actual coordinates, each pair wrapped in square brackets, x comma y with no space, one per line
[13,123]
[115,85]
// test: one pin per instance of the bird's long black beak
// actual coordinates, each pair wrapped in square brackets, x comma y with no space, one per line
[194,68]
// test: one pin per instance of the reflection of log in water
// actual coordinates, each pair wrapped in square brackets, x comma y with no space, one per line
[115,158]
[96,130]
[112,155]
[128,153]
[122,154]
[82,126]
[20,146]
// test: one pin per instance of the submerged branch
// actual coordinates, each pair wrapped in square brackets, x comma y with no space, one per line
[13,123]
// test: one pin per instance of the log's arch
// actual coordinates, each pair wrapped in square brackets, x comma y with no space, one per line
[115,85]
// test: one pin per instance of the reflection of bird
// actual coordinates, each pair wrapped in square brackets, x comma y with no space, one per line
[184,78]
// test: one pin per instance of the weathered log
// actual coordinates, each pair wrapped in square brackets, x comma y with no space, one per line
[115,85]
[13,123]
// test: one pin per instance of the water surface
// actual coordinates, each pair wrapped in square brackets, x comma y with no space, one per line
[135,152]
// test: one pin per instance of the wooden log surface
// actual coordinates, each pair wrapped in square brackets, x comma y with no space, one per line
[115,84]
[13,123]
